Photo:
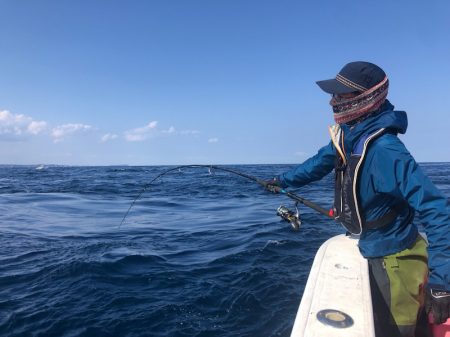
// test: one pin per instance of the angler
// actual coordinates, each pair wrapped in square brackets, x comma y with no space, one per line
[379,189]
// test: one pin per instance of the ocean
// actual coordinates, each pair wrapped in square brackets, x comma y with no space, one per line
[200,253]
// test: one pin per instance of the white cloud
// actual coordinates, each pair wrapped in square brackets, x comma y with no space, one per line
[151,131]
[301,153]
[36,127]
[171,130]
[189,132]
[62,131]
[107,137]
[140,134]
[19,125]
[213,140]
[152,125]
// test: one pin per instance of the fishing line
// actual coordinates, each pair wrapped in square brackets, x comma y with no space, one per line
[291,195]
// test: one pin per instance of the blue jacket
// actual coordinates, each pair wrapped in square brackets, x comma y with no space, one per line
[389,174]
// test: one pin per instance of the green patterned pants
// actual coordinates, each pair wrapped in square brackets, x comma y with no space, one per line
[397,283]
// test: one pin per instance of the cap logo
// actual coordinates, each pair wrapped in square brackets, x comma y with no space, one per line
[349,83]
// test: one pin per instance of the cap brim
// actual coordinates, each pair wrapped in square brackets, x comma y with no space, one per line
[334,87]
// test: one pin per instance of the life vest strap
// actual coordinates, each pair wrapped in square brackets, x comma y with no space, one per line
[386,219]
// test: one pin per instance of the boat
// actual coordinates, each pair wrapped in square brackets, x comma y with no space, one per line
[337,299]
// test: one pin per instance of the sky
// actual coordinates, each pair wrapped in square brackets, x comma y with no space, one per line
[147,82]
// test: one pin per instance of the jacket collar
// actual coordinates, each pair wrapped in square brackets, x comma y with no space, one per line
[388,118]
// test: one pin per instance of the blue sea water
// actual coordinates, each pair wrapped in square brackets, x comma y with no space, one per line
[199,254]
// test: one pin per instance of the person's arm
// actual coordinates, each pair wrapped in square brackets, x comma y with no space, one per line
[398,174]
[311,170]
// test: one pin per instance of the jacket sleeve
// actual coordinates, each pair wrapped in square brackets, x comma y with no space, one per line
[311,170]
[411,184]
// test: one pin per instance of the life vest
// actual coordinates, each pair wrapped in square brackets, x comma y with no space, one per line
[347,209]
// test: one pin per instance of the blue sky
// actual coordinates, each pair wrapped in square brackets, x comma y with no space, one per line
[104,82]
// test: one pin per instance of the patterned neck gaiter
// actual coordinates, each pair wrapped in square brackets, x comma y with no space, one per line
[350,109]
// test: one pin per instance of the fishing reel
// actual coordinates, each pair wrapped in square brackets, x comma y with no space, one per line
[290,216]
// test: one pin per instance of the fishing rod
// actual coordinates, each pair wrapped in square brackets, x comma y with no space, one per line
[282,211]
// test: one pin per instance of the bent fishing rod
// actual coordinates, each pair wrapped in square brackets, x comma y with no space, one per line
[263,183]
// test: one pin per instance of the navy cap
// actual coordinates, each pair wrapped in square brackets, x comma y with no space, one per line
[355,76]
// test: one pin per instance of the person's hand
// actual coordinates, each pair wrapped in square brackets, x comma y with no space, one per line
[438,302]
[273,185]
